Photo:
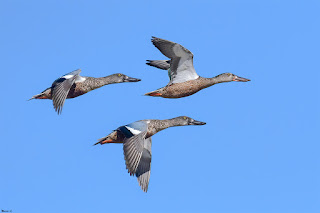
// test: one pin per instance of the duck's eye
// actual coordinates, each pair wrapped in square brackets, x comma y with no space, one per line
[119,75]
[184,118]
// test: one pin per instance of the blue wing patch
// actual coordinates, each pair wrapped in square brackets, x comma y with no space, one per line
[133,128]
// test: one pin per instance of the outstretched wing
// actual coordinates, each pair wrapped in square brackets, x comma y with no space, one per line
[144,167]
[61,87]
[181,66]
[137,151]
[133,143]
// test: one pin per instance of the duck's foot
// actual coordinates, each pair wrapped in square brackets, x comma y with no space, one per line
[153,94]
[106,141]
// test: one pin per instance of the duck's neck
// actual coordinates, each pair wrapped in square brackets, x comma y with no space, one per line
[166,123]
[215,80]
[99,82]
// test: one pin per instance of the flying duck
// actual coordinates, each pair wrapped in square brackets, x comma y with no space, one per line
[136,139]
[72,85]
[184,80]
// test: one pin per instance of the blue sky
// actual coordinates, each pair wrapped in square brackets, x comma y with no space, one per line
[259,151]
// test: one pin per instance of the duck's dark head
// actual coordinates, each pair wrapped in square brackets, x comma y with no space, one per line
[119,78]
[185,121]
[227,77]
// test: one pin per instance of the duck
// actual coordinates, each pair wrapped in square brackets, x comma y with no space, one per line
[136,140]
[72,85]
[184,81]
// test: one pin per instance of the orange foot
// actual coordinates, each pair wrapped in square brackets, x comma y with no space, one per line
[153,94]
[106,141]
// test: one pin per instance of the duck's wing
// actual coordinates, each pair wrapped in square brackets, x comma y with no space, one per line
[61,87]
[181,66]
[161,64]
[133,143]
[144,167]
[137,151]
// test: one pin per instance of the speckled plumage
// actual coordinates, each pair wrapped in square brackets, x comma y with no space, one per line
[79,86]
[184,80]
[154,126]
[179,90]
[136,139]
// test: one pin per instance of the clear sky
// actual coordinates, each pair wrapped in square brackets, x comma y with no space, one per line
[258,153]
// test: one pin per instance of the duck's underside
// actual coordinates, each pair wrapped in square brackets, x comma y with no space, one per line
[76,90]
[179,90]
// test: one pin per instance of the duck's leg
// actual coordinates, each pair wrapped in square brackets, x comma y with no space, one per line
[153,94]
[109,141]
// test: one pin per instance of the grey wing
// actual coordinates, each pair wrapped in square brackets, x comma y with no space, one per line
[60,89]
[181,66]
[143,170]
[161,64]
[133,149]
[76,72]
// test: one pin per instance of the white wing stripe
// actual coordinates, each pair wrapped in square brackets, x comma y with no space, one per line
[133,131]
[67,76]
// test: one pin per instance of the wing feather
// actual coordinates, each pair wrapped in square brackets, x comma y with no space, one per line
[144,167]
[137,151]
[61,87]
[161,64]
[181,66]
[132,149]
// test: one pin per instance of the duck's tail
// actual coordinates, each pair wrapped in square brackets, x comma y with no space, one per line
[111,138]
[99,142]
[35,97]
[155,93]
[43,95]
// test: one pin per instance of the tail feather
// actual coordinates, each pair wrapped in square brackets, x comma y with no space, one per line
[153,93]
[34,97]
[111,138]
[100,141]
[45,94]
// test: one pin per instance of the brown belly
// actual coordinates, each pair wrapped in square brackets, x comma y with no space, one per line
[77,90]
[179,90]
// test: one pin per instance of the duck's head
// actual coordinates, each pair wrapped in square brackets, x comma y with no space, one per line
[119,78]
[185,121]
[227,77]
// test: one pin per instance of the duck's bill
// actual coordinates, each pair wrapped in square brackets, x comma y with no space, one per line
[129,79]
[240,79]
[197,123]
